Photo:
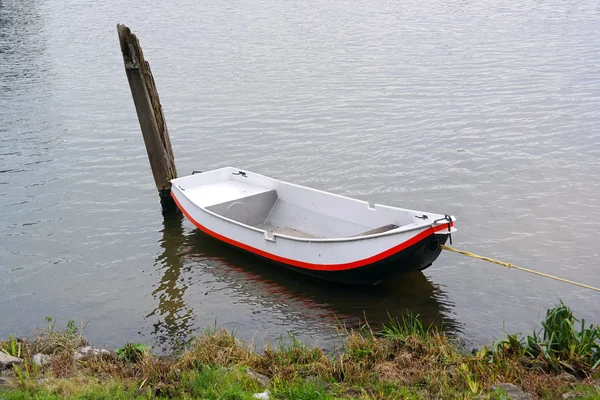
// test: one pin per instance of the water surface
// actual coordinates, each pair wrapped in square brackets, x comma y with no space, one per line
[485,110]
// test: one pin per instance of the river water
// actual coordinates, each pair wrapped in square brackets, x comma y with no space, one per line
[486,110]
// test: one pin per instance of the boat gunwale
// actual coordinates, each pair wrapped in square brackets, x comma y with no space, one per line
[399,230]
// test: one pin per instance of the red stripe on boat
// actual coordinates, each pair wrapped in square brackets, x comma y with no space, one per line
[318,267]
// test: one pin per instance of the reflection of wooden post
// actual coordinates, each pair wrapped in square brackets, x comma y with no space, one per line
[150,115]
[172,318]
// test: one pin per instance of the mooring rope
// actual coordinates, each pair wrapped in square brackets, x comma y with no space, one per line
[509,265]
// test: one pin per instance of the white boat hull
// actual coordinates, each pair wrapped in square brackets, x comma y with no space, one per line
[318,233]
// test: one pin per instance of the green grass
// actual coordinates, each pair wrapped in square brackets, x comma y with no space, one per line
[91,391]
[406,326]
[214,383]
[301,390]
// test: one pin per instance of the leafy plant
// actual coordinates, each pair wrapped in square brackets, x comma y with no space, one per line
[471,380]
[559,342]
[133,352]
[13,347]
[72,330]
[51,323]
[512,344]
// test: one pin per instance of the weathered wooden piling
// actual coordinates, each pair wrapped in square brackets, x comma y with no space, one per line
[150,115]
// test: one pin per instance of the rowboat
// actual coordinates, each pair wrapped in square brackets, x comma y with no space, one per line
[317,233]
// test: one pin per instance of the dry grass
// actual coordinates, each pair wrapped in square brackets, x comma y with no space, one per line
[217,348]
[291,361]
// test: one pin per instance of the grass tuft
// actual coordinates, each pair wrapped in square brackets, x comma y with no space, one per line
[292,359]
[406,326]
[216,348]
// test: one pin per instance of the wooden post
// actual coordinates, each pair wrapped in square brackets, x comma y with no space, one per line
[150,115]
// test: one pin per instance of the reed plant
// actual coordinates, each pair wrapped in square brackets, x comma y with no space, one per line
[563,342]
[12,347]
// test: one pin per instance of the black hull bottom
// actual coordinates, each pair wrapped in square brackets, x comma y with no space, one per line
[417,257]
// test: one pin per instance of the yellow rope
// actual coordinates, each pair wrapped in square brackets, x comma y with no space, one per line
[509,265]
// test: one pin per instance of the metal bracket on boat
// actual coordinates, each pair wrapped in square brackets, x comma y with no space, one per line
[422,217]
[446,218]
[449,219]
[196,172]
[240,173]
[269,236]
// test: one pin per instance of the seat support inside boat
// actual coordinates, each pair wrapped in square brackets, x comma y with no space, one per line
[251,210]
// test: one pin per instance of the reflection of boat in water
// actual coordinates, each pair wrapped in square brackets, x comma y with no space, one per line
[316,233]
[412,293]
[204,280]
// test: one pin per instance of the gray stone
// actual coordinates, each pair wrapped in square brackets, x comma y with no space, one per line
[88,351]
[5,381]
[262,396]
[264,380]
[513,391]
[571,395]
[7,361]
[41,359]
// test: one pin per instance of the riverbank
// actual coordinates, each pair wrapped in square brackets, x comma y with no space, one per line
[403,359]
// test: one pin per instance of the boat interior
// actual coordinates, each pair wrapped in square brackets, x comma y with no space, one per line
[291,210]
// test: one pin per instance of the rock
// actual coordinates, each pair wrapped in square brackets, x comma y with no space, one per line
[513,391]
[264,380]
[571,395]
[7,361]
[262,396]
[88,351]
[5,381]
[41,359]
